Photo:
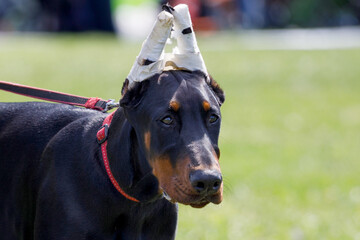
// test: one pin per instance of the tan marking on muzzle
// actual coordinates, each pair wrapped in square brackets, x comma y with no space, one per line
[163,170]
[174,180]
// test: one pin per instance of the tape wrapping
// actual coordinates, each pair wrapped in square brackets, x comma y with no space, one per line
[186,55]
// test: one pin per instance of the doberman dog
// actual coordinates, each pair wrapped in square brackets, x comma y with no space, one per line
[162,141]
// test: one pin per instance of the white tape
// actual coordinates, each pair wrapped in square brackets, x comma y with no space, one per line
[186,42]
[185,56]
[152,49]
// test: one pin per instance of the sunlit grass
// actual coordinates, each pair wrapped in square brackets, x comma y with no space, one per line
[290,139]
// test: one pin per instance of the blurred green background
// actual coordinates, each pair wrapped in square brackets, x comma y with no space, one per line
[290,137]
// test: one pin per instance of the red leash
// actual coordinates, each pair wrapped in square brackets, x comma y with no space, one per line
[91,103]
[53,96]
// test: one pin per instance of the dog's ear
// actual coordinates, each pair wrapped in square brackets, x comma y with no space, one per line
[125,87]
[122,160]
[131,97]
[219,93]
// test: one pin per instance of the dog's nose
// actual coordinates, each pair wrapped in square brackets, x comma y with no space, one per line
[207,182]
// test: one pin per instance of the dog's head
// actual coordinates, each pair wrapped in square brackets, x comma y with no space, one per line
[176,117]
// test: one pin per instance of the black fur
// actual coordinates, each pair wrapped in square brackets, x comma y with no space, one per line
[53,184]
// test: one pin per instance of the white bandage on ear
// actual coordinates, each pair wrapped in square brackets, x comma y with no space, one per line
[149,62]
[186,56]
[183,32]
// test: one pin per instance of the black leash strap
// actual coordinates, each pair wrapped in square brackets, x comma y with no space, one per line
[53,96]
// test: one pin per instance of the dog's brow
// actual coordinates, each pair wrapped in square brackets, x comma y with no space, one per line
[174,105]
[206,105]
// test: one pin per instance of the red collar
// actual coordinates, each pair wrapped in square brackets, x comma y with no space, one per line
[101,136]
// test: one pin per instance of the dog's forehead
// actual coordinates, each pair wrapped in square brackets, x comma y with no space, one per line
[183,87]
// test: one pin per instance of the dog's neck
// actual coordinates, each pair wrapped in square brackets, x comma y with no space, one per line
[128,162]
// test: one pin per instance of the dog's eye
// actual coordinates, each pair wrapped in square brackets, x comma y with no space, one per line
[213,118]
[167,120]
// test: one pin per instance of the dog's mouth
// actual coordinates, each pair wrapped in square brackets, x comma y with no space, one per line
[200,204]
[195,201]
[176,187]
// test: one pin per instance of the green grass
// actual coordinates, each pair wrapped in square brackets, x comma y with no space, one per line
[290,139]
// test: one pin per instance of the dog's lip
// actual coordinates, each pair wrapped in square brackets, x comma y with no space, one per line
[206,200]
[195,201]
[200,204]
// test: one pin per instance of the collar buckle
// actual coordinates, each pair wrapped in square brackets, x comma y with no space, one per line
[102,134]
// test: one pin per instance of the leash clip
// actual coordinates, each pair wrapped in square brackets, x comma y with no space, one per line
[110,105]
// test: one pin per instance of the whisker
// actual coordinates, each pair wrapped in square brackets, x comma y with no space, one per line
[227,186]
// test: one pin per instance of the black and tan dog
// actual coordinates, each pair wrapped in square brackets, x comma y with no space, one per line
[162,140]
[72,173]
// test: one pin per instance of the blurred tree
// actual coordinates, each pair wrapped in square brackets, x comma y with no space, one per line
[320,13]
[96,15]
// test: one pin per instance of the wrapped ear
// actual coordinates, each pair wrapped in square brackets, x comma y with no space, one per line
[132,97]
[219,93]
[150,59]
